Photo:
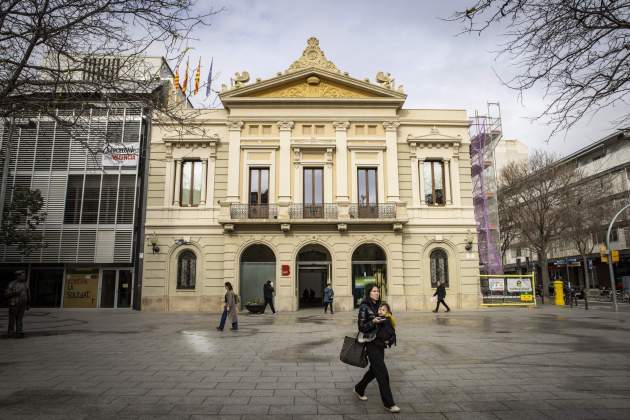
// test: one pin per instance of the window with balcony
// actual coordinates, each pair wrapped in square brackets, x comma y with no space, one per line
[434,184]
[313,193]
[367,192]
[258,193]
[190,189]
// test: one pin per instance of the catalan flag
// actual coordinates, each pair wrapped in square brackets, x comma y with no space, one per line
[185,84]
[197,77]
[176,79]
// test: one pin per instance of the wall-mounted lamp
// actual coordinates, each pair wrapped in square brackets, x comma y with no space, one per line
[153,240]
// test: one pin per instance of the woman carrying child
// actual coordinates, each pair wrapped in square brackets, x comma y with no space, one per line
[377,329]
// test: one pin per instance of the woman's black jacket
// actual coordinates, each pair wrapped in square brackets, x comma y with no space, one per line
[367,312]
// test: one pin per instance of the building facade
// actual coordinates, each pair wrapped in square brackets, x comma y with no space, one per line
[307,178]
[87,161]
[604,164]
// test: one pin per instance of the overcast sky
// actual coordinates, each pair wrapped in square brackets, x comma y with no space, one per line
[409,39]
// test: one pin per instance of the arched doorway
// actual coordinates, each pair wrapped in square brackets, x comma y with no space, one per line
[313,273]
[369,265]
[258,264]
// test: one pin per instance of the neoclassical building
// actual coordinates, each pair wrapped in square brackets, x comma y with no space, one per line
[307,178]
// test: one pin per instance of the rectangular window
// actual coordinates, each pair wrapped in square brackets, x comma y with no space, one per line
[109,195]
[319,130]
[191,183]
[126,193]
[258,192]
[371,130]
[74,192]
[306,130]
[359,130]
[266,130]
[367,192]
[313,192]
[434,185]
[82,201]
[253,130]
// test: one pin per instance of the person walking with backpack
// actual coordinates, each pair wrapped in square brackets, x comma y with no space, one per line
[375,342]
[268,291]
[230,307]
[329,294]
[440,292]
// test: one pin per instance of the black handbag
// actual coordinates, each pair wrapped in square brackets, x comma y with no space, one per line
[353,353]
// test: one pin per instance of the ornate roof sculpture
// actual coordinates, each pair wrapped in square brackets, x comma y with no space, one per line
[313,56]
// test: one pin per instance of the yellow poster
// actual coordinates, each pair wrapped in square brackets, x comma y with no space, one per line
[81,288]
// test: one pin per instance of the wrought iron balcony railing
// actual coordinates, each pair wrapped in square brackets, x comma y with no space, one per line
[313,211]
[373,211]
[253,211]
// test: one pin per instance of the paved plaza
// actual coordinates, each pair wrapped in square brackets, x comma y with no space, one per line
[497,363]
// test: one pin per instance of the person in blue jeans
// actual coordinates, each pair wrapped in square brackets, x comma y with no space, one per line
[230,307]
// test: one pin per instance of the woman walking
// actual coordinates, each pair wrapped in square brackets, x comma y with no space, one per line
[229,307]
[371,333]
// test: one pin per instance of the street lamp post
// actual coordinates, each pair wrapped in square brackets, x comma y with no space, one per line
[611,270]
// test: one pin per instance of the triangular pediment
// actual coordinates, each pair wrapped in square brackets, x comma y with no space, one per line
[312,84]
[312,78]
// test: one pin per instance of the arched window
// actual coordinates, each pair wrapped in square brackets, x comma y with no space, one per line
[439,268]
[186,270]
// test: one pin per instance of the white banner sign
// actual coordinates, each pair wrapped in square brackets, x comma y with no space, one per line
[496,285]
[121,154]
[519,285]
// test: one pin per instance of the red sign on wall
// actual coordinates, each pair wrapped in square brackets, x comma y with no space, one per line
[286,270]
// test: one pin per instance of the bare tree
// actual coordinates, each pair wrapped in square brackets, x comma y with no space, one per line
[533,194]
[576,50]
[586,210]
[508,229]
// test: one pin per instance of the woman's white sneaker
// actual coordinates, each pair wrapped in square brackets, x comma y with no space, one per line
[394,409]
[359,396]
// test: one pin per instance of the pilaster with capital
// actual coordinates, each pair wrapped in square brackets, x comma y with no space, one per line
[234,160]
[391,139]
[178,182]
[284,190]
[341,167]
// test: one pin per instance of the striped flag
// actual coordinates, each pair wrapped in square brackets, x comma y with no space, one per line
[197,77]
[185,84]
[176,79]
[209,85]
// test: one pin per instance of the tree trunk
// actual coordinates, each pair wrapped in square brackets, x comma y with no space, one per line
[544,270]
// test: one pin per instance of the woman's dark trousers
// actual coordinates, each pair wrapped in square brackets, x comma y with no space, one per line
[441,300]
[326,305]
[378,370]
[224,316]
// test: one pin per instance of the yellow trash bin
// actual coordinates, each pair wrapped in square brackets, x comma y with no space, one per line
[558,287]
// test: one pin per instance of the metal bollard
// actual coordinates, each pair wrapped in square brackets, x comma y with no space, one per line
[585,302]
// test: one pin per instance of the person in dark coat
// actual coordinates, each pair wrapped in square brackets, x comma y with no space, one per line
[19,298]
[369,325]
[329,295]
[440,292]
[268,291]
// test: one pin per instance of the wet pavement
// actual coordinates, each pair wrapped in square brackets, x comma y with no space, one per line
[496,363]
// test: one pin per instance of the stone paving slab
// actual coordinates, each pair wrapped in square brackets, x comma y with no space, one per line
[544,363]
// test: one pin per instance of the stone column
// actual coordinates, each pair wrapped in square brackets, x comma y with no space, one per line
[234,161]
[421,178]
[204,176]
[341,139]
[284,172]
[328,176]
[178,182]
[415,177]
[391,128]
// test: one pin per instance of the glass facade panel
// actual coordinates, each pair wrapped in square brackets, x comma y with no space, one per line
[186,183]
